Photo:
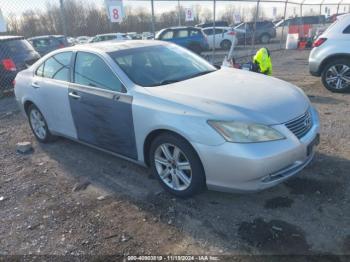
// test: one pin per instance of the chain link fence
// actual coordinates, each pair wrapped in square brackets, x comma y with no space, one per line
[68,22]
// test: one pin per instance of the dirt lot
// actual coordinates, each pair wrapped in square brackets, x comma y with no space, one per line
[124,211]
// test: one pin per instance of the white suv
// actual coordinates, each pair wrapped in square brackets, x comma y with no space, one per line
[224,37]
[330,57]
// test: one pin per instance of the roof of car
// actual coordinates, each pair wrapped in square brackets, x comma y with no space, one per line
[183,27]
[9,37]
[113,34]
[44,36]
[116,45]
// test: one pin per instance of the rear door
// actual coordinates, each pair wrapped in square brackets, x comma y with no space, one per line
[50,86]
[101,108]
[182,37]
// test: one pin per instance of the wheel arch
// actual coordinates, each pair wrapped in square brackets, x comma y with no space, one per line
[26,105]
[330,58]
[155,133]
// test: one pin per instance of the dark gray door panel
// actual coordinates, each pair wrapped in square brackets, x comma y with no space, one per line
[104,119]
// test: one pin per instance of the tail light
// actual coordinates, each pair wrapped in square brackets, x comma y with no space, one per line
[231,33]
[14,83]
[8,64]
[319,41]
[61,46]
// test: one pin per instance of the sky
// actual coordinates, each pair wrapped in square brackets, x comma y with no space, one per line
[18,6]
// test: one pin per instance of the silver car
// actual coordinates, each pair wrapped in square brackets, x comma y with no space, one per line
[330,57]
[163,106]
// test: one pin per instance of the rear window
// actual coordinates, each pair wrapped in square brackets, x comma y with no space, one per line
[14,47]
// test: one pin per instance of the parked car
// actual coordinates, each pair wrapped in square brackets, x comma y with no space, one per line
[134,35]
[111,36]
[16,54]
[71,40]
[147,35]
[190,37]
[162,106]
[224,37]
[265,31]
[47,43]
[304,20]
[330,56]
[83,39]
[211,24]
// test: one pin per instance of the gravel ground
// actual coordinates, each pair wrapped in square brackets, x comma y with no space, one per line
[66,198]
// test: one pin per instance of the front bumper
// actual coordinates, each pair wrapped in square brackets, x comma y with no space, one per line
[236,167]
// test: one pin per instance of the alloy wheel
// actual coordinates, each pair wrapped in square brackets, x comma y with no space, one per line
[338,76]
[38,123]
[173,166]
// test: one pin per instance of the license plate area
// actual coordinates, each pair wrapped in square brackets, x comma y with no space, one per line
[311,146]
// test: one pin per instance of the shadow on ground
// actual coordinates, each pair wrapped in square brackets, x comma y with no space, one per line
[276,221]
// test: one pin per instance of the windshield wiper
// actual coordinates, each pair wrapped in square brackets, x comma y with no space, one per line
[166,81]
[170,81]
[198,74]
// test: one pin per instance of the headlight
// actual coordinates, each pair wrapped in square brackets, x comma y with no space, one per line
[240,132]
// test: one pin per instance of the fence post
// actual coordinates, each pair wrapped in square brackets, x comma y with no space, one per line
[63,18]
[255,20]
[338,6]
[214,17]
[152,11]
[179,11]
[284,15]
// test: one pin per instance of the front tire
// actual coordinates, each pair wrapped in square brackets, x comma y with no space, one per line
[176,165]
[38,125]
[225,44]
[336,76]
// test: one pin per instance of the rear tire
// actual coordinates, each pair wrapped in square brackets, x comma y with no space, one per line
[336,76]
[265,39]
[195,48]
[176,165]
[39,125]
[225,44]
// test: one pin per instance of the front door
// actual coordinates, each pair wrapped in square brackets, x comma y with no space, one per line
[101,108]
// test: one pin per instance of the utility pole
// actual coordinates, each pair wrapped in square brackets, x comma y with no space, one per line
[179,12]
[153,27]
[63,18]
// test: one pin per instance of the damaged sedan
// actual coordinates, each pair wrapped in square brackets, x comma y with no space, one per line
[164,107]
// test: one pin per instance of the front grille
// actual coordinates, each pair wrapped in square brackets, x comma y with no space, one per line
[300,125]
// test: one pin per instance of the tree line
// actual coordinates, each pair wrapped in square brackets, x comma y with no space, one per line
[84,18]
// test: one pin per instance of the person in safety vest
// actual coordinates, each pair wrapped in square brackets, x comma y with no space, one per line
[262,60]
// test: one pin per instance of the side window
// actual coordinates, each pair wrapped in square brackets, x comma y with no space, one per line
[218,31]
[208,31]
[91,70]
[167,35]
[347,30]
[194,32]
[40,70]
[57,67]
[182,33]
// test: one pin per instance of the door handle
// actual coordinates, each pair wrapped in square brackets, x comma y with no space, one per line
[35,85]
[74,95]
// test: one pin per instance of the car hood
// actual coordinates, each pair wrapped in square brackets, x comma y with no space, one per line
[233,94]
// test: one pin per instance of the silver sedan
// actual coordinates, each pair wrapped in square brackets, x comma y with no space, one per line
[162,106]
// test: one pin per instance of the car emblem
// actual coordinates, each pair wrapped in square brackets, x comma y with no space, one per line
[307,122]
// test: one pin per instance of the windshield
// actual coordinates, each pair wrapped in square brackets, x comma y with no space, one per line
[160,65]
